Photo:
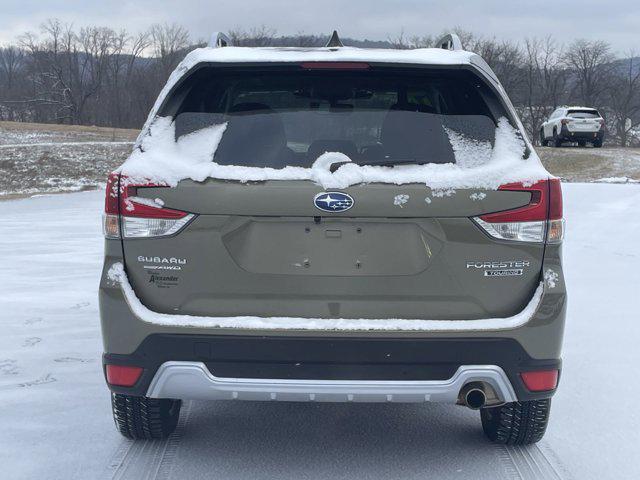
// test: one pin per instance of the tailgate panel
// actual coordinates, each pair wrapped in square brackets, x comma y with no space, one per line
[331,247]
[407,261]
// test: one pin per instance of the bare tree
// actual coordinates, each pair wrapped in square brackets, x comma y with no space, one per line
[85,76]
[261,36]
[424,41]
[544,80]
[69,68]
[591,62]
[507,63]
[624,98]
[11,65]
[504,57]
[133,80]
[554,75]
[304,40]
[169,43]
[11,62]
[402,42]
[49,91]
[399,42]
[98,46]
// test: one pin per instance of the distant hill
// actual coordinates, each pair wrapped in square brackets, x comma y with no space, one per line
[622,65]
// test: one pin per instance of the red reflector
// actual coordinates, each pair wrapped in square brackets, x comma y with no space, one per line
[545,203]
[335,65]
[123,376]
[541,380]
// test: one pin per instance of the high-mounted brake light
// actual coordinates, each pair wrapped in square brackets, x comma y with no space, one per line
[540,219]
[132,216]
[335,65]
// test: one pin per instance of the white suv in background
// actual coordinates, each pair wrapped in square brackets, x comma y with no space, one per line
[573,124]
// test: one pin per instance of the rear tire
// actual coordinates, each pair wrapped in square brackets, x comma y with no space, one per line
[543,140]
[556,140]
[597,143]
[516,423]
[145,418]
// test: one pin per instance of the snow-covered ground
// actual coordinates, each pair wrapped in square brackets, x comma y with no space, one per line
[37,158]
[54,407]
[606,164]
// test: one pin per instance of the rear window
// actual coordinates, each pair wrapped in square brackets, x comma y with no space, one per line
[284,117]
[583,114]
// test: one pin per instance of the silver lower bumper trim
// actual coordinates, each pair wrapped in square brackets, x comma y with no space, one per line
[193,381]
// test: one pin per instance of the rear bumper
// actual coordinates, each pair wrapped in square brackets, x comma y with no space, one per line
[193,380]
[568,135]
[327,368]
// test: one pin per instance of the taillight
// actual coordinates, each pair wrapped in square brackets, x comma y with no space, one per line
[131,216]
[540,219]
[565,121]
[110,218]
[602,124]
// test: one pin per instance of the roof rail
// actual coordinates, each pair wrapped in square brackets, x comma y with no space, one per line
[334,41]
[450,41]
[219,39]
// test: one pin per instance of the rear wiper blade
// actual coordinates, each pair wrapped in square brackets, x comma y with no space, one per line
[390,162]
[383,162]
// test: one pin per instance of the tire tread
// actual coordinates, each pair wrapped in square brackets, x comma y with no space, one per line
[517,423]
[143,417]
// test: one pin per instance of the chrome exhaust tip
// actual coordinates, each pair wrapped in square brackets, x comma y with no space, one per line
[473,396]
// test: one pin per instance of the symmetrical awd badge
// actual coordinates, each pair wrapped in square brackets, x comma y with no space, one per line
[333,201]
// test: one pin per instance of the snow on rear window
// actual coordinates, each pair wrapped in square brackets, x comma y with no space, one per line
[583,114]
[163,159]
[469,152]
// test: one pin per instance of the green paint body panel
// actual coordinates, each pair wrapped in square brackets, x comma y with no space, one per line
[401,251]
[404,262]
[400,261]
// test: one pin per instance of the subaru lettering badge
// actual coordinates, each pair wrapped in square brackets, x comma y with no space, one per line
[333,201]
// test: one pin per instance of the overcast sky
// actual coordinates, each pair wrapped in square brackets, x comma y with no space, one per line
[616,21]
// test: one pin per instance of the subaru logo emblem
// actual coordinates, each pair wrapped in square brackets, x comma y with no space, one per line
[333,201]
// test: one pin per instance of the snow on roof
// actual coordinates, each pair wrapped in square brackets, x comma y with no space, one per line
[435,56]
